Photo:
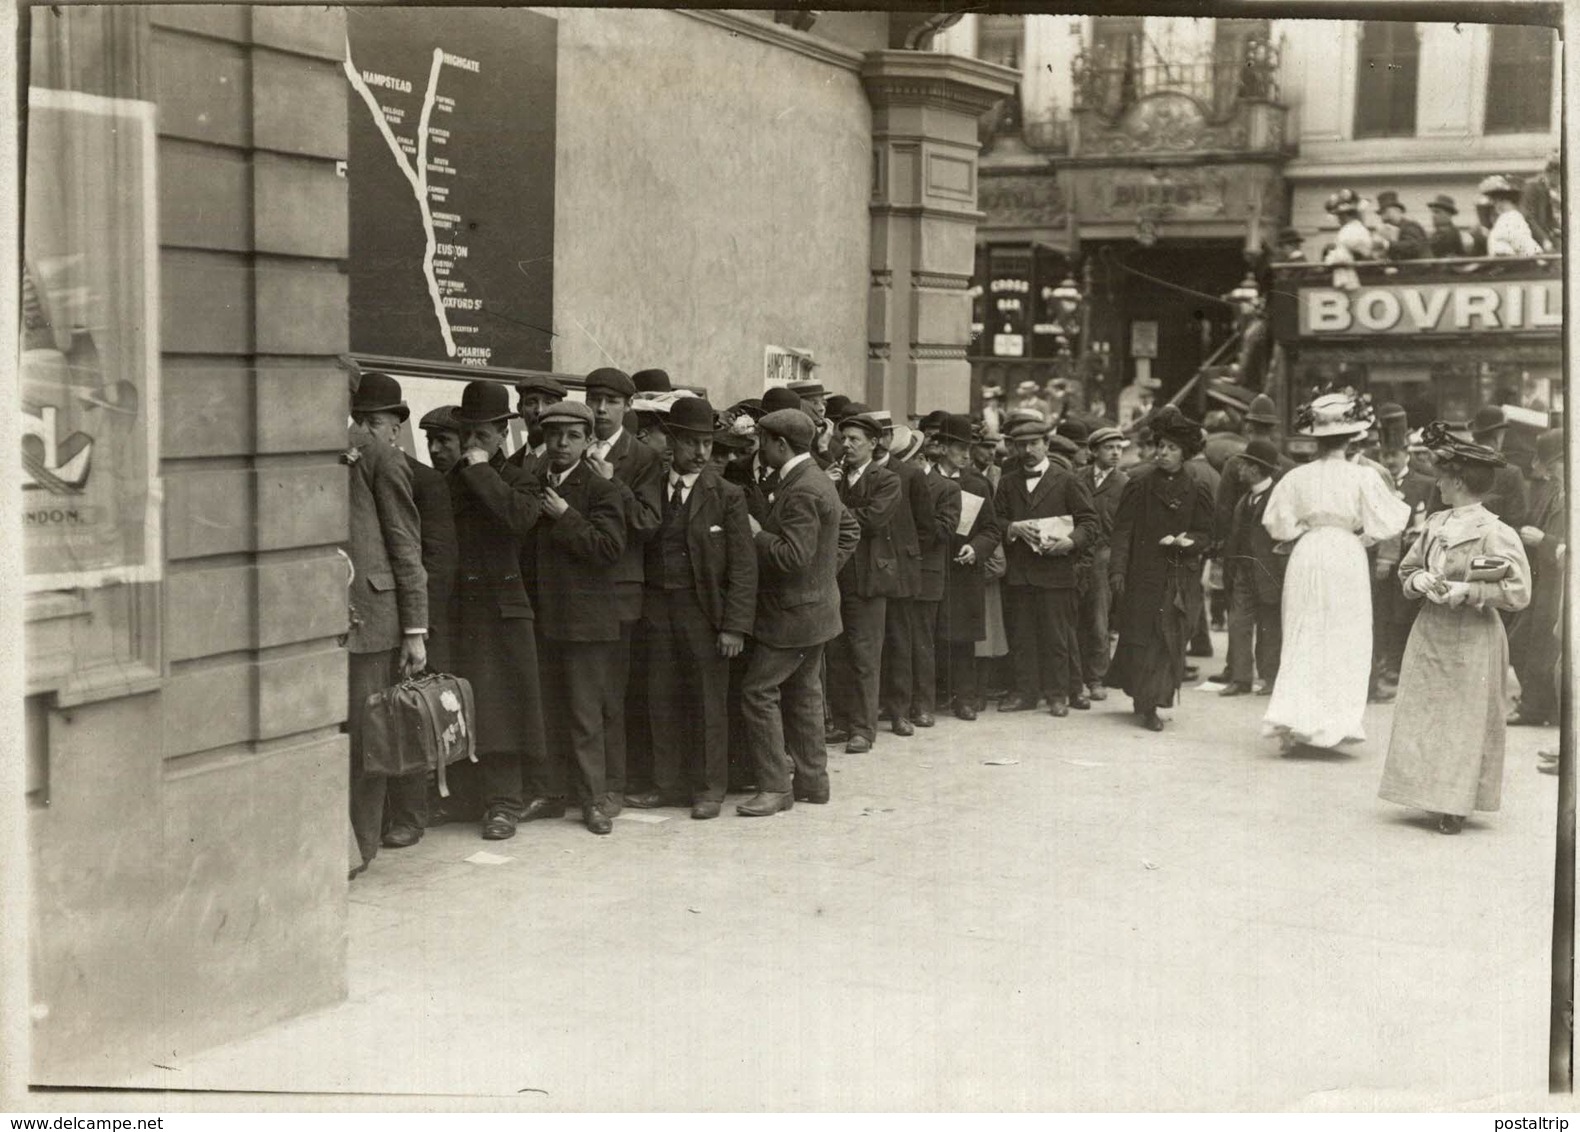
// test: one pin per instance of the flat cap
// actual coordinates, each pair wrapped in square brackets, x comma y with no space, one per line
[865,422]
[1062,445]
[542,383]
[1026,428]
[614,380]
[789,424]
[441,419]
[1103,435]
[568,412]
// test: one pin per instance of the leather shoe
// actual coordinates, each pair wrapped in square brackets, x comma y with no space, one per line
[1059,706]
[965,711]
[902,726]
[653,800]
[1219,677]
[1096,693]
[499,824]
[924,719]
[702,811]
[1192,672]
[1265,688]
[1152,721]
[1235,688]
[765,805]
[596,820]
[540,808]
[401,837]
[814,797]
[1081,702]
[835,736]
[1016,703]
[611,805]
[858,745]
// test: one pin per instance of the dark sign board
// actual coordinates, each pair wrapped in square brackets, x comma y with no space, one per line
[452,115]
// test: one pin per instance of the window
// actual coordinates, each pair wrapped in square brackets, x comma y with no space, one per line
[1520,80]
[999,39]
[1233,66]
[1116,62]
[1389,63]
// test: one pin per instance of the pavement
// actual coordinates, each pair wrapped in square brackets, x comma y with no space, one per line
[1021,913]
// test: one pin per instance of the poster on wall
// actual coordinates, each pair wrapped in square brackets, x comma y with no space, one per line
[89,371]
[784,364]
[452,135]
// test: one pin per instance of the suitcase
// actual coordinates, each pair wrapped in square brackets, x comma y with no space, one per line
[423,723]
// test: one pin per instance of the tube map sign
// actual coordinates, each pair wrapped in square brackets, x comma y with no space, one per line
[452,121]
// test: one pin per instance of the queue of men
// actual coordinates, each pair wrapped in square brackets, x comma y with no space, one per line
[657,603]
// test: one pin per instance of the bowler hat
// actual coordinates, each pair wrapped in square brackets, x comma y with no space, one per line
[780,398]
[614,380]
[541,383]
[955,428]
[1103,435]
[835,405]
[863,421]
[789,424]
[441,419]
[690,414]
[379,393]
[483,402]
[568,412]
[806,389]
[1072,429]
[1264,452]
[1488,419]
[932,422]
[851,409]
[651,381]
[1389,199]
[1262,410]
[1444,202]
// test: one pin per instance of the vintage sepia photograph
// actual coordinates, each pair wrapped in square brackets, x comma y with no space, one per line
[639,560]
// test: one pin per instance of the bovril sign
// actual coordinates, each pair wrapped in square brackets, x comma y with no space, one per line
[1433,308]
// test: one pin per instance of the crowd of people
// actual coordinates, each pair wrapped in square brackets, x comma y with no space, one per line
[657,603]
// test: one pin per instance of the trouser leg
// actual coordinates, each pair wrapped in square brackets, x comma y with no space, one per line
[367,674]
[803,723]
[614,685]
[1094,622]
[1269,639]
[669,694]
[1025,640]
[897,672]
[1243,617]
[1060,658]
[924,658]
[963,684]
[768,669]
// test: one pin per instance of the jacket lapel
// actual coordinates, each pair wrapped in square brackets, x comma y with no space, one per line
[1044,485]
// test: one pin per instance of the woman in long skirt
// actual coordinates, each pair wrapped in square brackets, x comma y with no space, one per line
[1331,510]
[1446,753]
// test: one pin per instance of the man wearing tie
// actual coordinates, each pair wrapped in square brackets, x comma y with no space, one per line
[1254,574]
[1049,519]
[962,617]
[1106,482]
[701,593]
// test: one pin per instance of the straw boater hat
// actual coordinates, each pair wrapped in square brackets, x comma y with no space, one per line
[1334,414]
[905,442]
[1498,185]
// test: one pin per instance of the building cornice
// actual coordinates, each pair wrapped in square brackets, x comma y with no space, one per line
[927,78]
[778,35]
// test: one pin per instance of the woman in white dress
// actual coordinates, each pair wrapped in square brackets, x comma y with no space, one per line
[1331,510]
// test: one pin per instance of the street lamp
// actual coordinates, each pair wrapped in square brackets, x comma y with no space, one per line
[1068,298]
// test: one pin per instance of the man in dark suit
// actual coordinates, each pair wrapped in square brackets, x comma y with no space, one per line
[1409,239]
[1105,481]
[798,558]
[533,395]
[943,500]
[1048,519]
[389,587]
[576,554]
[701,594]
[866,583]
[491,643]
[912,529]
[637,471]
[962,619]
[1393,613]
[1254,575]
[406,805]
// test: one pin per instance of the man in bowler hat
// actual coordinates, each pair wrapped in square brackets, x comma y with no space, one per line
[577,550]
[492,645]
[1254,575]
[389,586]
[962,618]
[798,558]
[701,594]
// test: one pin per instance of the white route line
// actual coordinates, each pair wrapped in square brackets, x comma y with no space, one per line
[418,178]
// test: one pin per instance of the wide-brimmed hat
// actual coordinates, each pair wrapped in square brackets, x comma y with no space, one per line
[1488,420]
[956,428]
[568,412]
[1390,199]
[441,419]
[807,389]
[1390,411]
[611,379]
[852,409]
[789,424]
[1334,414]
[751,406]
[542,383]
[883,416]
[1028,386]
[1342,202]
[1444,202]
[483,402]
[1103,435]
[1498,185]
[379,393]
[1168,423]
[1449,451]
[1262,410]
[905,443]
[690,414]
[1264,452]
[651,381]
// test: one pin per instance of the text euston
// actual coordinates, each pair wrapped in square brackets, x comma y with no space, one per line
[1444,308]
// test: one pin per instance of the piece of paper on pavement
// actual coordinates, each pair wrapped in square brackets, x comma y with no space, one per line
[1000,762]
[649,819]
[484,857]
[1083,762]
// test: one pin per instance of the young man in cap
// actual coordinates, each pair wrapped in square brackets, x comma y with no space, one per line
[389,586]
[492,644]
[701,594]
[798,601]
[1255,576]
[442,436]
[1106,482]
[576,553]
[1048,520]
[962,617]
[912,530]
[944,495]
[867,582]
[638,473]
[1407,239]
[533,395]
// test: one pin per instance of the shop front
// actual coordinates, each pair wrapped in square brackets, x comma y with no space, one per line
[1439,337]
